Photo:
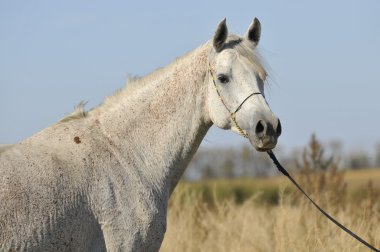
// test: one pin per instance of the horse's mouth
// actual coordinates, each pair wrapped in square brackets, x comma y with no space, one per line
[263,145]
[263,149]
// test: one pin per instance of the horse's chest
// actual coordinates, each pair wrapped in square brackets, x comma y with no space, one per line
[150,222]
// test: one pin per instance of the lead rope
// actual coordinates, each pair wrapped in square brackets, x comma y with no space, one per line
[281,168]
[283,171]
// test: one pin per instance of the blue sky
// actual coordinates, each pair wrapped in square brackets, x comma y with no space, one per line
[324,59]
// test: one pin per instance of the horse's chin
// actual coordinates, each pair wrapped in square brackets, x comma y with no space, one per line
[262,146]
[259,149]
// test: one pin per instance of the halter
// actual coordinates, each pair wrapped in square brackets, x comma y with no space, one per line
[232,114]
[281,168]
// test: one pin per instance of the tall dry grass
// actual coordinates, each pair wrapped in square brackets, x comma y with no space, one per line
[195,225]
[267,215]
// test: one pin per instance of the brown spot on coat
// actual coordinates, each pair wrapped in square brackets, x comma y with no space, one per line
[77,140]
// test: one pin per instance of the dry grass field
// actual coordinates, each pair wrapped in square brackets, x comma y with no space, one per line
[268,215]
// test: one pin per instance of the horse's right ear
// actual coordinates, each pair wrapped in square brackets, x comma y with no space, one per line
[254,32]
[220,36]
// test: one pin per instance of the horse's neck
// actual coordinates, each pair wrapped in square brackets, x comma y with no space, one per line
[158,125]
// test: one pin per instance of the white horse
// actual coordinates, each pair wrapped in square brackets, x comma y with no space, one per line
[101,180]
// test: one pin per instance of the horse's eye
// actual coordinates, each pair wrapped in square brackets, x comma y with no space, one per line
[223,78]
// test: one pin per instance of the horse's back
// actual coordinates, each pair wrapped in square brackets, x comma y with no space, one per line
[43,207]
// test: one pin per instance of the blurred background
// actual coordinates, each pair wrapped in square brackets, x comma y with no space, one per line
[324,84]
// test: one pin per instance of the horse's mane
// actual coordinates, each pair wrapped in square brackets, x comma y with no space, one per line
[133,83]
[79,112]
[248,51]
[243,48]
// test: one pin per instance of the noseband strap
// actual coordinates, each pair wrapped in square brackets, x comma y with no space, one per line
[232,113]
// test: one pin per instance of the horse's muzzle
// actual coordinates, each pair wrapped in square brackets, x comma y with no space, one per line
[266,134]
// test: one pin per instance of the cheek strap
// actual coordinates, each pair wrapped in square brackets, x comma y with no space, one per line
[232,113]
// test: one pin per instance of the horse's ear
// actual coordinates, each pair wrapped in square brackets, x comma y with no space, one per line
[220,36]
[254,32]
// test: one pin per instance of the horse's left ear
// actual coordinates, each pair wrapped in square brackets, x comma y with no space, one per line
[254,31]
[220,36]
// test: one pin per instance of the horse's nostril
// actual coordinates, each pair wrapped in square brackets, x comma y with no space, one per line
[279,128]
[260,129]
